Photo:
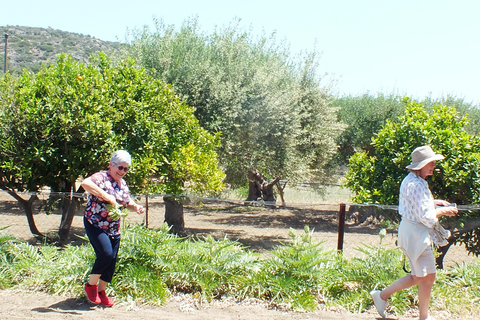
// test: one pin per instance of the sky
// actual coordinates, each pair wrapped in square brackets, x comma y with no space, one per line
[418,48]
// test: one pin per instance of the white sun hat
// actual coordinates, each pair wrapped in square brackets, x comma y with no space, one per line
[423,155]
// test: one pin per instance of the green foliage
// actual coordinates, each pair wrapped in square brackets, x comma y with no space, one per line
[67,120]
[6,276]
[46,121]
[463,107]
[270,108]
[206,266]
[154,263]
[364,116]
[362,276]
[115,213]
[375,177]
[455,286]
[296,270]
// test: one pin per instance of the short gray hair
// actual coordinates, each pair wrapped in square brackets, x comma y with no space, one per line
[121,156]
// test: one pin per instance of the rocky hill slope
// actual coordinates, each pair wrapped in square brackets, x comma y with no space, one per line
[29,47]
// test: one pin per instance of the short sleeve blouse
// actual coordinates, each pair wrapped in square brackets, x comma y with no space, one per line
[96,211]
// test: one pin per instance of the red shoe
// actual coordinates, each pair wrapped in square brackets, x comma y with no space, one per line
[92,294]
[106,301]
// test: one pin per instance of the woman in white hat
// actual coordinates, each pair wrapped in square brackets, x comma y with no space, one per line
[419,213]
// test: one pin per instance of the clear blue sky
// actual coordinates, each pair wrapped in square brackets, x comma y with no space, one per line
[414,47]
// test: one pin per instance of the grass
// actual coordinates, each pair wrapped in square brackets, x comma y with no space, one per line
[305,195]
[300,195]
[154,264]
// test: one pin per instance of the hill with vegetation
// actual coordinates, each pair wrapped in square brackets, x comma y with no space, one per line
[29,47]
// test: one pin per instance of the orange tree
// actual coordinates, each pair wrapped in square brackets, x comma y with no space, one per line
[375,176]
[65,122]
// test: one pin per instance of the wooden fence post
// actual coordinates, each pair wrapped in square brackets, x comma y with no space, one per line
[341,227]
[146,211]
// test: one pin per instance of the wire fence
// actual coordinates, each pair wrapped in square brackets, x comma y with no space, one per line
[258,226]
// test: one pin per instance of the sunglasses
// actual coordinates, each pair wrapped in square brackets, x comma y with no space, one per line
[122,168]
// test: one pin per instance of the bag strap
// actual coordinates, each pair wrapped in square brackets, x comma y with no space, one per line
[405,264]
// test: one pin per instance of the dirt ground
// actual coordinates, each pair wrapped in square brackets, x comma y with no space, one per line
[258,228]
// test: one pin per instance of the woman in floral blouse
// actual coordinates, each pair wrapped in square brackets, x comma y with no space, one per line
[106,187]
[419,213]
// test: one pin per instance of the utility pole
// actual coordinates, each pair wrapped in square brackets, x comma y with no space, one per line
[5,61]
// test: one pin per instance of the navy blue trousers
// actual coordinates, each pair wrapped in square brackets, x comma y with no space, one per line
[106,250]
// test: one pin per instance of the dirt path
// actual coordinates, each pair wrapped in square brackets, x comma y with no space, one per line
[20,305]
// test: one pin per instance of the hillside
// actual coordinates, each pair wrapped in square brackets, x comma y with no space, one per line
[29,47]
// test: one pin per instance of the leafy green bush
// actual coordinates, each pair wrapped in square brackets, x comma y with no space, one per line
[63,123]
[295,270]
[464,108]
[361,275]
[46,47]
[23,44]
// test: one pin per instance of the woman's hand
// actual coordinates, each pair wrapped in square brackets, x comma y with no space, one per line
[450,211]
[445,208]
[442,203]
[110,198]
[95,190]
[138,208]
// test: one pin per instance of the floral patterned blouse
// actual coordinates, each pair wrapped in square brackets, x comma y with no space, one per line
[96,212]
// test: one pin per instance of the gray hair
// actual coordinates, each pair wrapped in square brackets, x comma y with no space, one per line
[415,172]
[121,156]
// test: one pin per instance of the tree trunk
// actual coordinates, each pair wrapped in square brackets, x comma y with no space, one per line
[442,251]
[174,215]
[259,188]
[68,212]
[69,207]
[254,191]
[27,206]
[280,193]
[267,191]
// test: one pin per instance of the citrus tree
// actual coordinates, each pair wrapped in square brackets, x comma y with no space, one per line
[65,122]
[375,177]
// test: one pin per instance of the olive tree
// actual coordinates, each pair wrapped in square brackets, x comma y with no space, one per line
[364,116]
[375,176]
[272,110]
[65,122]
